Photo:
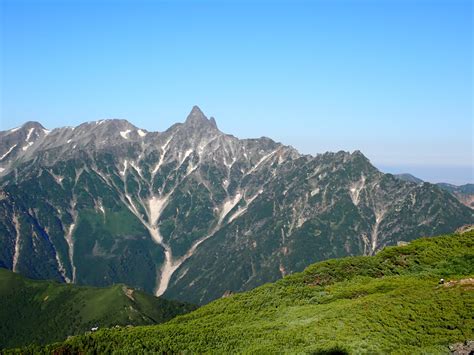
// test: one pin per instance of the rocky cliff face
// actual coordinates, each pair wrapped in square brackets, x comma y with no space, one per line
[193,213]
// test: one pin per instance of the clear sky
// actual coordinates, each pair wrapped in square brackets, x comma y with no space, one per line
[391,78]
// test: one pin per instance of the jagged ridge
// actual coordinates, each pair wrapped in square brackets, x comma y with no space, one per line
[192,212]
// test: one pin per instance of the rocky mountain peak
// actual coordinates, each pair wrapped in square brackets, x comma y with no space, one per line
[110,125]
[32,124]
[196,118]
[358,156]
[106,132]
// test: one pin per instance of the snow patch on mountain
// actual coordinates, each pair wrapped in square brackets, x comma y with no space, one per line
[164,150]
[8,151]
[156,206]
[125,165]
[241,210]
[228,205]
[61,268]
[375,230]
[355,189]
[70,244]
[99,206]
[261,161]
[16,254]
[225,184]
[24,148]
[58,178]
[125,133]
[28,136]
[137,168]
[187,153]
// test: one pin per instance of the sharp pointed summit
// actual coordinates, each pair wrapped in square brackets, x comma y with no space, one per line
[197,118]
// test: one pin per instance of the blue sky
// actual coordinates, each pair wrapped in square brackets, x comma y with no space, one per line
[391,78]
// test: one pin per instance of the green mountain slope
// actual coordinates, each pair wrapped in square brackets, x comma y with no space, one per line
[390,302]
[45,311]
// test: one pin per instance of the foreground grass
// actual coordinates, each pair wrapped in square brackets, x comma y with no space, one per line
[45,311]
[390,302]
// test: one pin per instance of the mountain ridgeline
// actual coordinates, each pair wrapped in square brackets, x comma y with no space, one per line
[192,213]
[464,193]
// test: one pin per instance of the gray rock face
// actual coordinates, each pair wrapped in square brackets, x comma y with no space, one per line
[466,348]
[192,213]
[464,193]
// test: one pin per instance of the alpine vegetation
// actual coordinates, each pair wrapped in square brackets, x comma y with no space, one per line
[41,312]
[393,302]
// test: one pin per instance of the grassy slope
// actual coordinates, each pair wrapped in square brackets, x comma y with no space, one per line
[45,311]
[389,302]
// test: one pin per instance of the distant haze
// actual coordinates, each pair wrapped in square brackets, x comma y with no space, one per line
[390,78]
[456,175]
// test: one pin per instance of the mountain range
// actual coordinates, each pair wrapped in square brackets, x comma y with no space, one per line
[192,213]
